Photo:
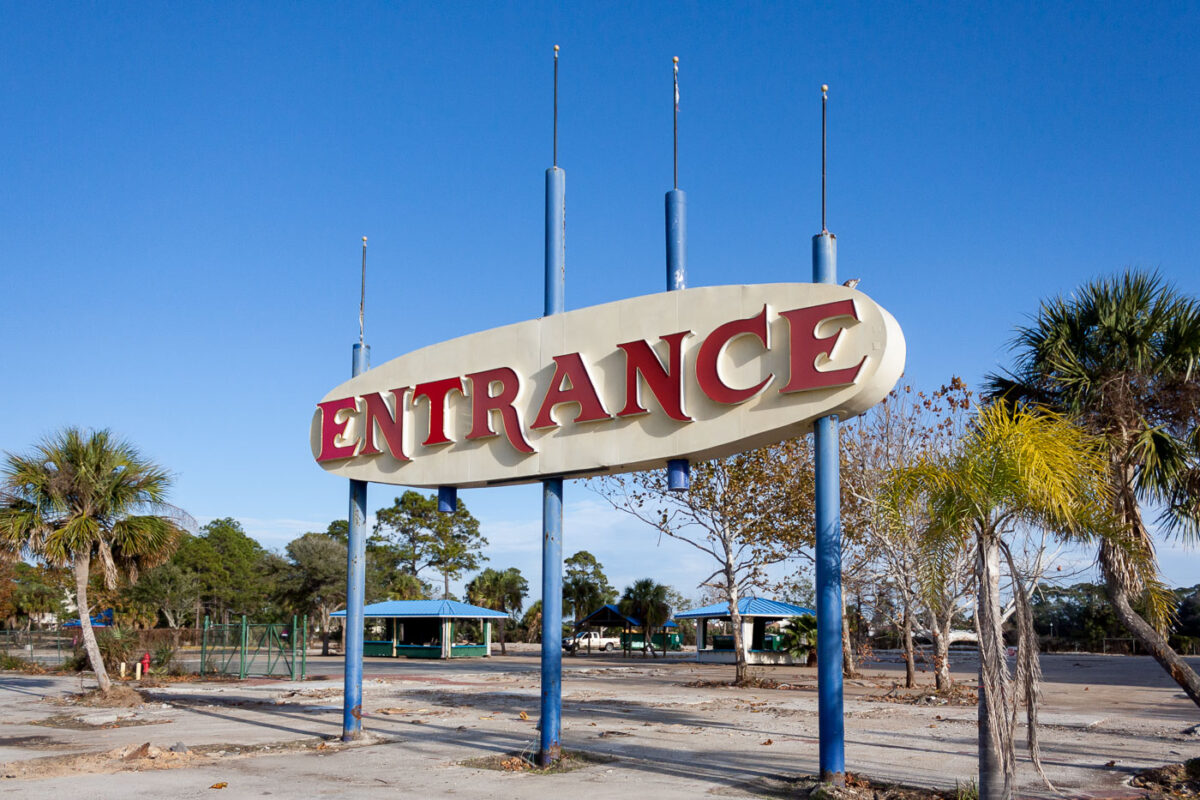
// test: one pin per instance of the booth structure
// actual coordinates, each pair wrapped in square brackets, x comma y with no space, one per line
[427,629]
[759,646]
[609,616]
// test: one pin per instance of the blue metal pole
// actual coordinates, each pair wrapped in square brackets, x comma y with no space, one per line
[356,559]
[679,471]
[556,241]
[552,491]
[676,240]
[551,718]
[829,562]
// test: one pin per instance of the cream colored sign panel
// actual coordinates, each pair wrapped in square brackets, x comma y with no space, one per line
[696,374]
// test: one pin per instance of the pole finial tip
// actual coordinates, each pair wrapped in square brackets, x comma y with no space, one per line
[364,240]
[555,48]
[675,59]
[824,87]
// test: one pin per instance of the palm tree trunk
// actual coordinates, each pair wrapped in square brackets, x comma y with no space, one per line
[82,564]
[995,770]
[1154,642]
[1118,580]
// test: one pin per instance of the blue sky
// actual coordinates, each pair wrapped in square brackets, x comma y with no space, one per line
[184,188]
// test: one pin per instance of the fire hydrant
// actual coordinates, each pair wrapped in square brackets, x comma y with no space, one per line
[143,665]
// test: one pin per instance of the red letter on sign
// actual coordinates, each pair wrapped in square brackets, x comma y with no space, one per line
[391,425]
[707,374]
[436,392]
[571,368]
[806,347]
[665,382]
[331,428]
[483,403]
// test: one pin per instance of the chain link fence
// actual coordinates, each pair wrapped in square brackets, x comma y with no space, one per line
[45,648]
[245,649]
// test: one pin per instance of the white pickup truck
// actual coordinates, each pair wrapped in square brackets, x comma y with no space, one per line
[585,639]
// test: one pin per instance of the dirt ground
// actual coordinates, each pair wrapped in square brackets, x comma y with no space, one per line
[662,728]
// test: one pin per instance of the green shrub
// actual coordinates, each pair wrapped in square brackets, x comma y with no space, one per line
[76,662]
[116,645]
[163,656]
[14,662]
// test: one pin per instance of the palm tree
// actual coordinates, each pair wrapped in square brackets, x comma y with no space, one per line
[1012,468]
[646,600]
[84,496]
[1123,355]
[500,590]
[800,638]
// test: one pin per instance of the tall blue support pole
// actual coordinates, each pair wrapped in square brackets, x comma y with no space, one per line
[678,469]
[356,559]
[552,492]
[829,562]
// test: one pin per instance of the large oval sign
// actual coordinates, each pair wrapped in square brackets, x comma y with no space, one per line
[696,374]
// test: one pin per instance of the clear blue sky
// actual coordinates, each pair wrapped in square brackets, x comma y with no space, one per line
[184,187]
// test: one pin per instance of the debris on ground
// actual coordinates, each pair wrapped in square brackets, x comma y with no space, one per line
[1172,781]
[520,762]
[106,721]
[116,697]
[857,787]
[956,695]
[147,756]
[751,683]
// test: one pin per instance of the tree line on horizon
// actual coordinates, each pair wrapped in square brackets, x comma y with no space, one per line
[221,573]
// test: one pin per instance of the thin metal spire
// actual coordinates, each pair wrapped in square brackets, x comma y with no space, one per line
[676,64]
[556,105]
[824,103]
[362,300]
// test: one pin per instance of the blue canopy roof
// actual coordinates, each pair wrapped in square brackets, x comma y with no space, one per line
[749,607]
[609,614]
[426,608]
[101,620]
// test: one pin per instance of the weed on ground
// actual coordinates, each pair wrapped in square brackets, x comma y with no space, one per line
[858,787]
[523,762]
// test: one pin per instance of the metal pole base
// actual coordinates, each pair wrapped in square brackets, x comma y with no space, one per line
[833,778]
[550,757]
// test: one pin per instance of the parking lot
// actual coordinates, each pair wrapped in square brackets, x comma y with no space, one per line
[669,727]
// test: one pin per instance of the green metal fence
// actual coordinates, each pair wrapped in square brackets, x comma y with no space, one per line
[248,649]
[48,648]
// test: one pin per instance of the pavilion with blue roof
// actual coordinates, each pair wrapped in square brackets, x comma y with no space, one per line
[609,616]
[427,629]
[757,613]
